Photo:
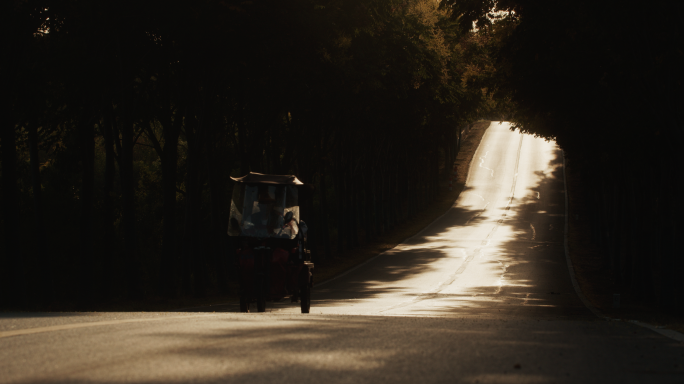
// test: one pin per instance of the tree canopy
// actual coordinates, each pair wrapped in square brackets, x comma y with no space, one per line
[128,117]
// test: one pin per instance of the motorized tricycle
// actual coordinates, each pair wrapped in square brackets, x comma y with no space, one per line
[272,257]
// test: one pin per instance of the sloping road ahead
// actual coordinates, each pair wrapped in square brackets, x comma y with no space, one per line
[482,295]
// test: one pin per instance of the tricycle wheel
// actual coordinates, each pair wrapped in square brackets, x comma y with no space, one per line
[244,304]
[305,299]
[261,295]
[261,303]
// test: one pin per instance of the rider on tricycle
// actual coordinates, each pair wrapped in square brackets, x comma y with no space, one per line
[272,257]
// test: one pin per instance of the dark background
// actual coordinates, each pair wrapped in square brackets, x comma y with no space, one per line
[122,122]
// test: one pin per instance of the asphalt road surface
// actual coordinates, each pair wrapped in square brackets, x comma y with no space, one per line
[482,295]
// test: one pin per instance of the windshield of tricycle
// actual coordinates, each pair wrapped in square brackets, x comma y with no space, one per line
[260,210]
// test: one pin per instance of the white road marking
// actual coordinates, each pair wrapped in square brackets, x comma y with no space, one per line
[482,159]
[504,268]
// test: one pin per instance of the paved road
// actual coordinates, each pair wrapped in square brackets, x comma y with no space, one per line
[482,295]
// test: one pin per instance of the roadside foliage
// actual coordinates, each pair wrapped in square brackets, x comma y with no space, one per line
[123,121]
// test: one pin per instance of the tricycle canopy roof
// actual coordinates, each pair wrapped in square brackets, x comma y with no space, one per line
[260,178]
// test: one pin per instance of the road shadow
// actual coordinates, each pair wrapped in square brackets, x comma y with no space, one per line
[349,349]
[525,246]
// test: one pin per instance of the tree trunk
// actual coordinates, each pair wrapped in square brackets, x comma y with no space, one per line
[128,182]
[193,253]
[242,140]
[86,135]
[340,219]
[44,291]
[13,286]
[169,165]
[325,207]
[219,223]
[109,234]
